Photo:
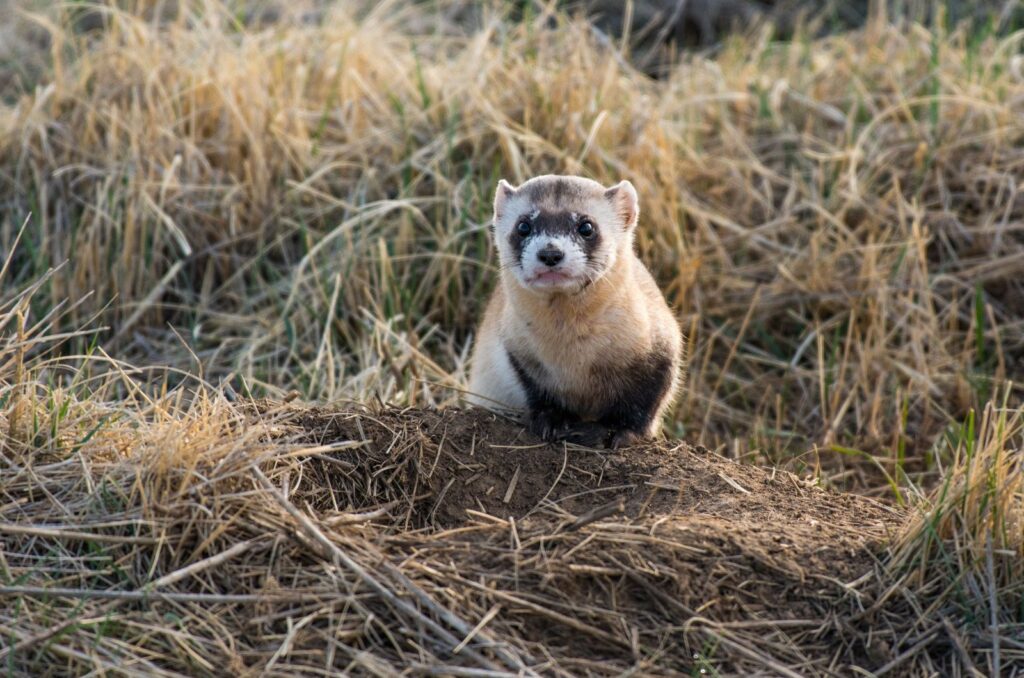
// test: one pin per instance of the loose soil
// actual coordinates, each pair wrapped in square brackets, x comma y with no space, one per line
[662,555]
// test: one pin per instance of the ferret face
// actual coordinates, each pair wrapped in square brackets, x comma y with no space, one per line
[562,233]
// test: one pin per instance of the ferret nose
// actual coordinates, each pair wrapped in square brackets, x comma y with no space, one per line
[550,256]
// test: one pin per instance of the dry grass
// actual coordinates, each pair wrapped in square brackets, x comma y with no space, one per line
[959,560]
[182,534]
[301,205]
[838,222]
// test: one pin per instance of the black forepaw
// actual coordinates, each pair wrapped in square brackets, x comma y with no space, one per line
[556,427]
[547,426]
[623,438]
[587,434]
[553,426]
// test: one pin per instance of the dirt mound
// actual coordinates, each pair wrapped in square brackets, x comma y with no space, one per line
[458,463]
[608,556]
[273,538]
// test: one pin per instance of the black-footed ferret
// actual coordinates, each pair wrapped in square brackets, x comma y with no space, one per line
[577,334]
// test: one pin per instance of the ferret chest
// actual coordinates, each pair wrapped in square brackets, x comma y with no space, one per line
[576,369]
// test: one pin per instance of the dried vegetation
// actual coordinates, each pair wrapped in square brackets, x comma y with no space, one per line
[201,206]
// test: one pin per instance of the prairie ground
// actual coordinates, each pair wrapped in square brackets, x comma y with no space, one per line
[243,248]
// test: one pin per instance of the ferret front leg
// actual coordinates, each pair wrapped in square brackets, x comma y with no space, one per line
[632,415]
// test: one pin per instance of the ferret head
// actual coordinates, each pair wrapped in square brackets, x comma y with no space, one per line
[561,233]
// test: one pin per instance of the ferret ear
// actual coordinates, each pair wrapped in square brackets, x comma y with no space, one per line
[623,198]
[504,191]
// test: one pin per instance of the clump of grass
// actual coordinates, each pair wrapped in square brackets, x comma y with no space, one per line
[960,561]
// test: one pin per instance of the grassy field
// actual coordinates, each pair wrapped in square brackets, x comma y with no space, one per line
[205,204]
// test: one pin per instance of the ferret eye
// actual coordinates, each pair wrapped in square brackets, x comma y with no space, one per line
[586,229]
[523,228]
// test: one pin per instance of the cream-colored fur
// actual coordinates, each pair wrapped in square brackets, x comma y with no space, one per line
[581,334]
